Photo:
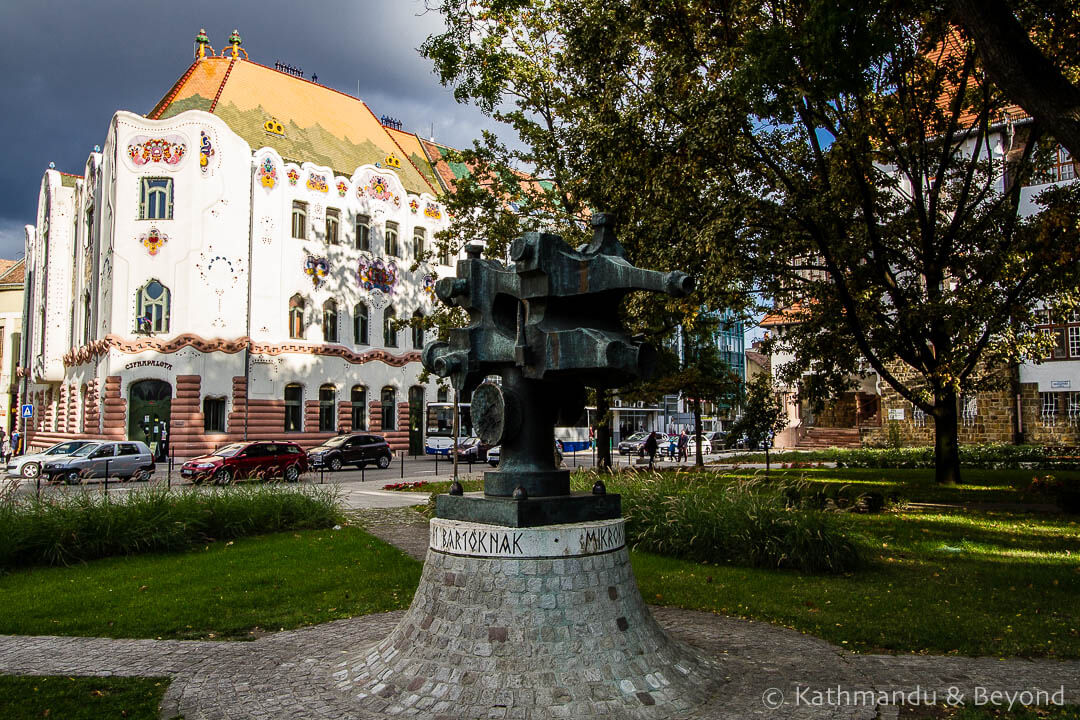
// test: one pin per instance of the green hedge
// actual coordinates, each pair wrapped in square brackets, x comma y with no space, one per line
[984,457]
[60,529]
[743,523]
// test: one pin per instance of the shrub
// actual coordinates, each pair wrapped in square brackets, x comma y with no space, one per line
[744,523]
[74,527]
[993,456]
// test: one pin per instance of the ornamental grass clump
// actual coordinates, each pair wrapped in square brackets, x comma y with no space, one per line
[742,523]
[73,527]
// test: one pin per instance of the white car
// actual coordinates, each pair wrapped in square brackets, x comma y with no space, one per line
[29,466]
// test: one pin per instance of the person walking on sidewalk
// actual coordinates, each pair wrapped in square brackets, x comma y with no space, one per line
[651,446]
[684,440]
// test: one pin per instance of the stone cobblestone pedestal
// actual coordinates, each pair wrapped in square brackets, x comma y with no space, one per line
[528,622]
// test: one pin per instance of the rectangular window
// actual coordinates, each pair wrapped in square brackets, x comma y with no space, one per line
[918,416]
[418,242]
[333,220]
[214,414]
[327,410]
[969,410]
[1048,408]
[294,408]
[1074,341]
[444,254]
[1074,408]
[155,198]
[16,340]
[1058,335]
[363,233]
[358,399]
[299,220]
[1063,165]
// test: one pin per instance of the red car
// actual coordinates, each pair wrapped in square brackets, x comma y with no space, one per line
[262,460]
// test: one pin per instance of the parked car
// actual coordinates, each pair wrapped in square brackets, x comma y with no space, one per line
[635,444]
[706,444]
[358,449]
[472,449]
[29,466]
[262,459]
[121,459]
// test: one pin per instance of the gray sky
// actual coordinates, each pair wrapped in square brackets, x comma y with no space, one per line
[70,64]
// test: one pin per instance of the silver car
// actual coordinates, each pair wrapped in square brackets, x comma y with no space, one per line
[29,466]
[122,459]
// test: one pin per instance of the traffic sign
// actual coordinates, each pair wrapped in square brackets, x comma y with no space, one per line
[28,411]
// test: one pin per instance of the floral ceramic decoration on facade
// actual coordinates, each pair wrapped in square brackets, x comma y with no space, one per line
[317,182]
[378,187]
[267,173]
[293,176]
[413,206]
[154,240]
[169,150]
[206,151]
[432,211]
[342,188]
[316,268]
[378,278]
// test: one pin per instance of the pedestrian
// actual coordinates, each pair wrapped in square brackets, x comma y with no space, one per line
[651,445]
[5,450]
[684,440]
[673,445]
[16,442]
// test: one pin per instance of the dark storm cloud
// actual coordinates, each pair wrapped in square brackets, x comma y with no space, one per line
[69,65]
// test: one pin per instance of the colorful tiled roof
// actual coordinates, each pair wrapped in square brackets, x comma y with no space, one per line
[322,125]
[785,316]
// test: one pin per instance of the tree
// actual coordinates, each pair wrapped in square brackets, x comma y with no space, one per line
[836,155]
[510,59]
[850,146]
[763,416]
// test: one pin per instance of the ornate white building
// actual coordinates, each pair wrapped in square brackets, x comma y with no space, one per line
[228,266]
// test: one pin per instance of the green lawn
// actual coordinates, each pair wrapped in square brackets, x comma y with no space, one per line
[972,583]
[81,698]
[223,590]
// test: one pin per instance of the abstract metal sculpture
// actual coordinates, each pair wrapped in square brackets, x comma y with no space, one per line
[548,325]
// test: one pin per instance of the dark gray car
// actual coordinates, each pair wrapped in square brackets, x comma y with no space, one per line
[121,459]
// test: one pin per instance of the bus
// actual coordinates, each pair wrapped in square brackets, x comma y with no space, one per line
[439,438]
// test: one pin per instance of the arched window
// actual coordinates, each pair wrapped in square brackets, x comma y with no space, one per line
[363,233]
[299,220]
[389,409]
[156,198]
[327,411]
[444,253]
[329,321]
[296,317]
[294,407]
[388,331]
[86,318]
[418,330]
[152,308]
[390,239]
[360,324]
[418,242]
[358,398]
[333,222]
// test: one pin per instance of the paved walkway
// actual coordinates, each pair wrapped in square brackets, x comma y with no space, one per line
[767,671]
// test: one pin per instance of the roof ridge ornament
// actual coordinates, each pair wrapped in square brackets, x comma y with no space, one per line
[234,46]
[202,41]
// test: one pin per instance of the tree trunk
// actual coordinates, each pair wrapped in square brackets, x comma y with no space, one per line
[603,430]
[698,462]
[946,443]
[1027,76]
